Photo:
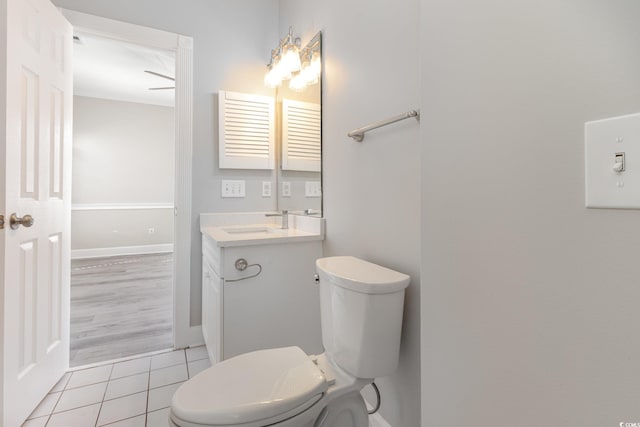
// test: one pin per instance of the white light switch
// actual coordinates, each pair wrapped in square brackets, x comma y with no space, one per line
[286,189]
[612,163]
[266,188]
[312,189]
[232,188]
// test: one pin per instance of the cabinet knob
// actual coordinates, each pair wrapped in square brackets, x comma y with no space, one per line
[241,264]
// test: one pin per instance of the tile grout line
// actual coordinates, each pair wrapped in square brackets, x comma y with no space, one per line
[148,371]
[120,360]
[186,362]
[54,406]
[104,394]
[146,408]
[69,410]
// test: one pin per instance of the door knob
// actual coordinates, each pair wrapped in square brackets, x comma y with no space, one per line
[1,222]
[15,221]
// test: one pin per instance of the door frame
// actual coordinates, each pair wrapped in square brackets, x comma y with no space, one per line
[183,333]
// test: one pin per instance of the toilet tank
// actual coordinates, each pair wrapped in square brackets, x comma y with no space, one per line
[361,309]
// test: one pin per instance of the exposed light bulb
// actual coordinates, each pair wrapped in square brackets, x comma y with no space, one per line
[298,83]
[316,64]
[281,69]
[305,62]
[287,64]
[309,75]
[291,58]
[271,79]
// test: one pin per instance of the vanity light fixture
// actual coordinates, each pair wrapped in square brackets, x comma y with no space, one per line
[301,67]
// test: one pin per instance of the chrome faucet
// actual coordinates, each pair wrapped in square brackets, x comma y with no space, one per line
[285,218]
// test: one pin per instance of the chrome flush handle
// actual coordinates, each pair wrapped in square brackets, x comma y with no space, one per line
[15,221]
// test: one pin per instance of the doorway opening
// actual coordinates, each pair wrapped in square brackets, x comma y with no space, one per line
[122,218]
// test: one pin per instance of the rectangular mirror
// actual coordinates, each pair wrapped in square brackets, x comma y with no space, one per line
[299,137]
[278,137]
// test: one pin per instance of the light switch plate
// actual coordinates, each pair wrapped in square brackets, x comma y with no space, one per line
[231,188]
[604,139]
[312,189]
[286,189]
[266,188]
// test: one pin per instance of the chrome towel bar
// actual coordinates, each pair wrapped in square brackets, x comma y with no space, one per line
[358,134]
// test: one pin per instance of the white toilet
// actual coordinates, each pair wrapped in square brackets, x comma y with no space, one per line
[361,309]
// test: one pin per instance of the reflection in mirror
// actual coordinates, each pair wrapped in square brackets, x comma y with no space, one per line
[258,135]
[299,134]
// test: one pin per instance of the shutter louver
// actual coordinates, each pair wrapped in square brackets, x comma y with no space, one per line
[301,136]
[247,135]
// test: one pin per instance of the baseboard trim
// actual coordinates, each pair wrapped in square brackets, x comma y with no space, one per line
[121,250]
[376,419]
[121,207]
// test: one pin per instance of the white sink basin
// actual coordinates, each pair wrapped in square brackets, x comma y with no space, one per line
[253,230]
[246,229]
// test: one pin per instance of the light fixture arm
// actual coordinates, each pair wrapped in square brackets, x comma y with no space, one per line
[289,39]
[286,62]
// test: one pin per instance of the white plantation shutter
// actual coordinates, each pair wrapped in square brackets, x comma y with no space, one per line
[246,131]
[301,136]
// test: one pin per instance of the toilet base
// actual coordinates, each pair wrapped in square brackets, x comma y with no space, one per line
[347,411]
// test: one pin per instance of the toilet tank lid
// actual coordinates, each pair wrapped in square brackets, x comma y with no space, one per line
[361,276]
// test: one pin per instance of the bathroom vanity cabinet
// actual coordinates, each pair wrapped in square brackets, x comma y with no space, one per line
[278,307]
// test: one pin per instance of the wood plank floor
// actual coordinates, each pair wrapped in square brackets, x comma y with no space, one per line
[120,306]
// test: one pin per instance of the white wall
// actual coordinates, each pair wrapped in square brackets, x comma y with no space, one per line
[122,152]
[372,189]
[123,155]
[232,42]
[529,300]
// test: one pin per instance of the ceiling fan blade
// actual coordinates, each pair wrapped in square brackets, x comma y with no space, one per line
[161,88]
[160,75]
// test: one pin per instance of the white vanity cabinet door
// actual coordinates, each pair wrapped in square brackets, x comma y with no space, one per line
[212,288]
[212,300]
[278,308]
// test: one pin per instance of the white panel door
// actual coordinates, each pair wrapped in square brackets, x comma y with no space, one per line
[35,154]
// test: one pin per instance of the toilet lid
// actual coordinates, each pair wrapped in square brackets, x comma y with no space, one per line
[250,387]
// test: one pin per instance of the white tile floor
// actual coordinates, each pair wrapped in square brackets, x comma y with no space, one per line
[135,393]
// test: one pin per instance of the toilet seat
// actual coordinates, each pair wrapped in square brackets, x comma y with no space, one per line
[257,388]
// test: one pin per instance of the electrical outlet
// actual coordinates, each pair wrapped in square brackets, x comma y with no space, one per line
[232,188]
[286,189]
[151,230]
[266,188]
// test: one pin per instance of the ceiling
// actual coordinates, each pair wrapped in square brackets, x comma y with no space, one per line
[112,69]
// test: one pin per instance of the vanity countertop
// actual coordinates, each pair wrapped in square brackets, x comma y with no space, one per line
[228,230]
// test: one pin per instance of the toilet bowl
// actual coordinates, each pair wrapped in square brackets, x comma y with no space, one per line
[361,309]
